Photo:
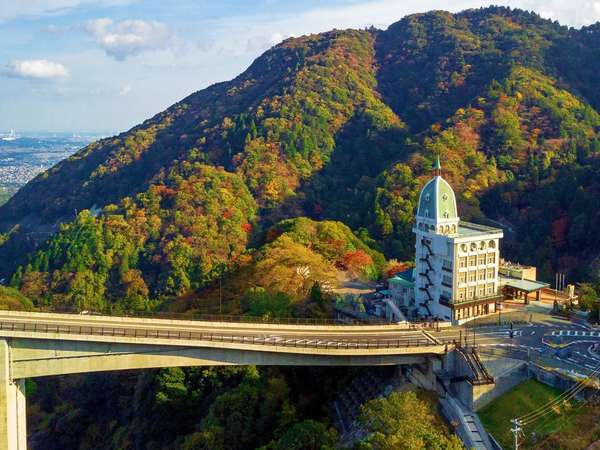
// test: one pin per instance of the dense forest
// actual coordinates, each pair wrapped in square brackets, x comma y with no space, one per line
[267,190]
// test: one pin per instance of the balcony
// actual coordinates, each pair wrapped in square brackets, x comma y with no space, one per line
[496,297]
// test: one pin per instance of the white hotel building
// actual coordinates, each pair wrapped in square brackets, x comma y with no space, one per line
[456,263]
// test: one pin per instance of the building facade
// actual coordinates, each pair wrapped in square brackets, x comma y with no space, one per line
[456,262]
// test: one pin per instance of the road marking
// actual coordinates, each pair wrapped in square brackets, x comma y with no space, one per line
[573,333]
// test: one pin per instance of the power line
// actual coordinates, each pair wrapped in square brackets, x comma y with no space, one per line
[519,423]
[562,398]
[576,387]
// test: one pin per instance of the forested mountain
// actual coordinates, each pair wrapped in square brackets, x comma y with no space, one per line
[342,125]
[305,169]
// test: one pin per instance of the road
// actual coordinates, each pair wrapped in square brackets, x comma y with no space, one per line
[338,336]
[556,343]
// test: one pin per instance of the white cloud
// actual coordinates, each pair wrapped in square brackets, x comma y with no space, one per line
[258,29]
[261,42]
[36,69]
[125,90]
[129,37]
[10,9]
[53,29]
[574,13]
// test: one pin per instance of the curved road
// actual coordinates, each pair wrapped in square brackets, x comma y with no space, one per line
[557,343]
[321,336]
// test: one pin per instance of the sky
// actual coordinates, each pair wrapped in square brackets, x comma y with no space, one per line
[106,65]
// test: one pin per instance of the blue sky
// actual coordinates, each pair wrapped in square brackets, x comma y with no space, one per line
[106,65]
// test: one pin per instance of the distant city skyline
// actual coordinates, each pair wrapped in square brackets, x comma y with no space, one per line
[106,65]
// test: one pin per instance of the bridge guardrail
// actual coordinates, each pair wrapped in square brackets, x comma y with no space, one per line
[200,317]
[214,337]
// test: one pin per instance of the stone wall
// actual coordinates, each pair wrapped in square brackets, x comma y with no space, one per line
[482,395]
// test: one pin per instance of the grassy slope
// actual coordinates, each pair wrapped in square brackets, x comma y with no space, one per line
[526,397]
[12,299]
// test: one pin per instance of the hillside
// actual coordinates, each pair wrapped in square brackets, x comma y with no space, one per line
[342,126]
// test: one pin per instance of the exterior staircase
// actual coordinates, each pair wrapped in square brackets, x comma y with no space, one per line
[425,274]
[480,374]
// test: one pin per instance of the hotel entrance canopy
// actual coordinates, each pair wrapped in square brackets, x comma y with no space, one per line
[517,288]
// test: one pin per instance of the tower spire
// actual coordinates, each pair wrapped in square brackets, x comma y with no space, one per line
[437,167]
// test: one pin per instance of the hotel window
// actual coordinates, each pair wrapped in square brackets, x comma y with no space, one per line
[490,289]
[481,260]
[462,263]
[470,294]
[462,278]
[490,273]
[481,292]
[472,261]
[491,258]
[481,275]
[472,276]
[461,294]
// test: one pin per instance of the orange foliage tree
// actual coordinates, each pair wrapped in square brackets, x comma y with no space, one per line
[356,261]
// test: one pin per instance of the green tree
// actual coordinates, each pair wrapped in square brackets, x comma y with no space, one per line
[260,303]
[316,294]
[588,297]
[171,386]
[308,435]
[405,421]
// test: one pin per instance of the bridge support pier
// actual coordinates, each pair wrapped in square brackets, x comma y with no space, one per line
[13,430]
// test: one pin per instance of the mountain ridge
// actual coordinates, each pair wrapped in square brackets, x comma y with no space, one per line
[343,126]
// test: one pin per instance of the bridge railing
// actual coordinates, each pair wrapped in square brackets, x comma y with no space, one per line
[366,343]
[201,317]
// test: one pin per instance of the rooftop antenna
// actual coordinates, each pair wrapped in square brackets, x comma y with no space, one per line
[437,167]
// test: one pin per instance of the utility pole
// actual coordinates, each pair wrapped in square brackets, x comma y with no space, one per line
[516,431]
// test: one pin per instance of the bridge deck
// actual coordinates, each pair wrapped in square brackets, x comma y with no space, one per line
[77,327]
[43,344]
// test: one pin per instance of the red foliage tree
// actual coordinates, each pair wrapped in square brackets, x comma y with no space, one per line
[396,268]
[356,261]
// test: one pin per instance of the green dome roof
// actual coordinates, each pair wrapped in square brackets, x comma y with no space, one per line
[437,201]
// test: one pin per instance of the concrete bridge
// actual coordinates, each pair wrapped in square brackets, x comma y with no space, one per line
[43,344]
